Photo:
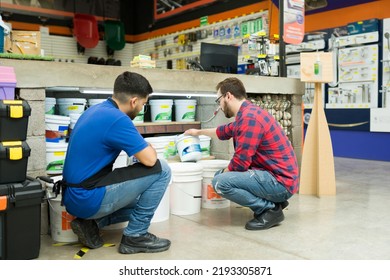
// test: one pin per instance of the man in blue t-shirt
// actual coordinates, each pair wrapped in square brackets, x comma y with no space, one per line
[98,195]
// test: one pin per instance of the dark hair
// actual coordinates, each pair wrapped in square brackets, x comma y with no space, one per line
[130,84]
[234,86]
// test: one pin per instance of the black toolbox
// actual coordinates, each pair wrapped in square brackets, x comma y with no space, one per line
[20,219]
[13,161]
[14,116]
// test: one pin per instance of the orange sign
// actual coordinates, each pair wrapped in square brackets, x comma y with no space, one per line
[294,21]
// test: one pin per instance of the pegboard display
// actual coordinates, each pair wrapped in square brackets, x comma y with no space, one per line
[175,50]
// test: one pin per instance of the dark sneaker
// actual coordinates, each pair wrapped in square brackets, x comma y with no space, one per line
[267,219]
[283,204]
[87,232]
[147,243]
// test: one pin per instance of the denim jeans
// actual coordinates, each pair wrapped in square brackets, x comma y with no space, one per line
[134,201]
[256,189]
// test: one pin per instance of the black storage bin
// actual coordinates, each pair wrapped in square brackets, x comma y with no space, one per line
[13,161]
[14,116]
[20,220]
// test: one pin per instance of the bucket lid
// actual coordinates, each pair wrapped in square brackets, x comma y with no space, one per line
[186,167]
[185,101]
[71,100]
[52,146]
[214,164]
[183,136]
[54,118]
[50,99]
[160,101]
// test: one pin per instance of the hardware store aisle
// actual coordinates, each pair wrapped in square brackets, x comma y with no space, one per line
[354,224]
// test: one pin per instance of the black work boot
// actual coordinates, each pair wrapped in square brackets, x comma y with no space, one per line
[87,232]
[267,219]
[146,243]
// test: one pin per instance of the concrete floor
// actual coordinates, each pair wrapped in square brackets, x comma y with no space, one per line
[352,225]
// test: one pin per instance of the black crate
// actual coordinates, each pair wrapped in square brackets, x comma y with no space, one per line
[13,161]
[20,220]
[14,116]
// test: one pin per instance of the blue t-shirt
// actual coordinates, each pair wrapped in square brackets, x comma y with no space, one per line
[98,137]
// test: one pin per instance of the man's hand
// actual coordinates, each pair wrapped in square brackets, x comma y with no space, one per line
[192,131]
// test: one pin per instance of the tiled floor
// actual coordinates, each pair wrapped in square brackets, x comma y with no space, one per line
[354,224]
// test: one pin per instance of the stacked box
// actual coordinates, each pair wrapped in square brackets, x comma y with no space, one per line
[7,82]
[14,116]
[13,161]
[20,219]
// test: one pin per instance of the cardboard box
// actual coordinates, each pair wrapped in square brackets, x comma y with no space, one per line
[23,42]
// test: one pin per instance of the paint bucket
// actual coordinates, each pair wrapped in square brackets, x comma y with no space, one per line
[164,146]
[56,128]
[55,157]
[92,102]
[68,106]
[205,144]
[73,120]
[140,116]
[210,199]
[186,188]
[162,212]
[185,110]
[188,147]
[50,105]
[60,220]
[161,110]
[121,160]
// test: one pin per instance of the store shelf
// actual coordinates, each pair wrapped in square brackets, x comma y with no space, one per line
[165,127]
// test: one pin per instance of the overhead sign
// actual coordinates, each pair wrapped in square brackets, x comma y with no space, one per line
[294,21]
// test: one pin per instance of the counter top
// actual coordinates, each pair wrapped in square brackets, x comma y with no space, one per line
[43,74]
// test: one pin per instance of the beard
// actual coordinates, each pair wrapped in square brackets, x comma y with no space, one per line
[132,114]
[228,113]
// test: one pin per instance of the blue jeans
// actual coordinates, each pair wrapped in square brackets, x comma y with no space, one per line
[256,189]
[134,201]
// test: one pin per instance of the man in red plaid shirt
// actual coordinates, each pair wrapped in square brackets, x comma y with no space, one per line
[263,173]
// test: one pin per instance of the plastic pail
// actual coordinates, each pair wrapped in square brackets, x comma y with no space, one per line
[161,110]
[164,146]
[188,147]
[185,110]
[68,106]
[121,160]
[56,128]
[186,188]
[205,143]
[73,120]
[210,199]
[55,157]
[92,102]
[140,117]
[162,212]
[60,228]
[50,105]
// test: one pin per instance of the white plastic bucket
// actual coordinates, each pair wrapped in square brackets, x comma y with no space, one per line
[68,106]
[164,146]
[140,117]
[185,110]
[162,212]
[55,157]
[205,144]
[56,128]
[92,102]
[60,220]
[188,147]
[73,120]
[121,160]
[161,110]
[186,188]
[210,199]
[50,105]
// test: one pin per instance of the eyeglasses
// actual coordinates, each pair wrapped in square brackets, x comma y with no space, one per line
[218,100]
